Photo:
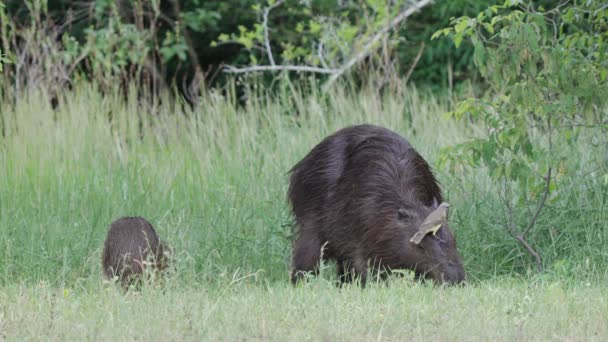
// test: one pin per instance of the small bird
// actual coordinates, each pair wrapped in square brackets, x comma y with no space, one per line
[432,223]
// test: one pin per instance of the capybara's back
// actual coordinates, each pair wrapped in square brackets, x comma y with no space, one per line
[131,245]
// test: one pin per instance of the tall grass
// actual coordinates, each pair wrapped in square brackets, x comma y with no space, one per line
[213,181]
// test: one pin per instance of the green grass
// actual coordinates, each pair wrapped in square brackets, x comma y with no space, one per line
[497,310]
[213,182]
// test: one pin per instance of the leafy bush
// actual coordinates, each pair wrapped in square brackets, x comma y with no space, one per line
[547,72]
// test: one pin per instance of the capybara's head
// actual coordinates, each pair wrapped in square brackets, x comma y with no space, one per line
[432,247]
[131,246]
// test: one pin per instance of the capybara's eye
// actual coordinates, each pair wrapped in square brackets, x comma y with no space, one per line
[404,214]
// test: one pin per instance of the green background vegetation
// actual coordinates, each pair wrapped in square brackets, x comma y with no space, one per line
[204,21]
[213,181]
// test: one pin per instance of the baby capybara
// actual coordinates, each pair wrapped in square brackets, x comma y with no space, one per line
[132,245]
[365,198]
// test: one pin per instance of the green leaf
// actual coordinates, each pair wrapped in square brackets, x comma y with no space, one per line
[223,37]
[457,39]
[315,27]
[464,23]
[441,32]
[479,54]
[532,38]
[299,27]
[488,27]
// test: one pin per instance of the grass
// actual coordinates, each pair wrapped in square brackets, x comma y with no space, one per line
[213,183]
[499,310]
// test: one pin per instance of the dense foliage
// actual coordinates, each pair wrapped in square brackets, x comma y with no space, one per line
[180,40]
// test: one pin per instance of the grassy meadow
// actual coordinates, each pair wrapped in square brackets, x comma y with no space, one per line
[213,182]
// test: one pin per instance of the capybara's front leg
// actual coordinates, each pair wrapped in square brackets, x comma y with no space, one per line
[306,255]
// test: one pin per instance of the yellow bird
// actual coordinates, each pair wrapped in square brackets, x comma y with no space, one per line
[432,223]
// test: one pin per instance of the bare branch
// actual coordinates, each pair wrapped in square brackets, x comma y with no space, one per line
[299,68]
[555,9]
[77,61]
[540,205]
[366,50]
[198,70]
[413,66]
[321,58]
[594,11]
[521,237]
[539,262]
[511,217]
[334,72]
[265,26]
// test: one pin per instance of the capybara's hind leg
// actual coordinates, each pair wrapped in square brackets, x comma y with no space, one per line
[345,272]
[360,271]
[362,275]
[349,271]
[306,255]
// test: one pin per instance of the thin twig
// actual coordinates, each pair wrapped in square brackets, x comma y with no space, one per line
[198,70]
[76,62]
[594,11]
[555,9]
[413,66]
[366,50]
[300,68]
[521,237]
[540,205]
[511,217]
[265,26]
[321,58]
[539,263]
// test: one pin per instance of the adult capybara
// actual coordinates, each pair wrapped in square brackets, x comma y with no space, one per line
[132,245]
[365,198]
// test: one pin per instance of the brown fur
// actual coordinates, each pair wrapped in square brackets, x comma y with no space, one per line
[361,194]
[131,245]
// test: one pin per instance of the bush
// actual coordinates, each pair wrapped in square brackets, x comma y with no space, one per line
[547,74]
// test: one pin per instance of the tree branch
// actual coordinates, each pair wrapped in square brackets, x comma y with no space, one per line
[265,26]
[521,237]
[334,72]
[540,205]
[413,66]
[321,58]
[511,217]
[299,68]
[539,263]
[368,47]
[198,70]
